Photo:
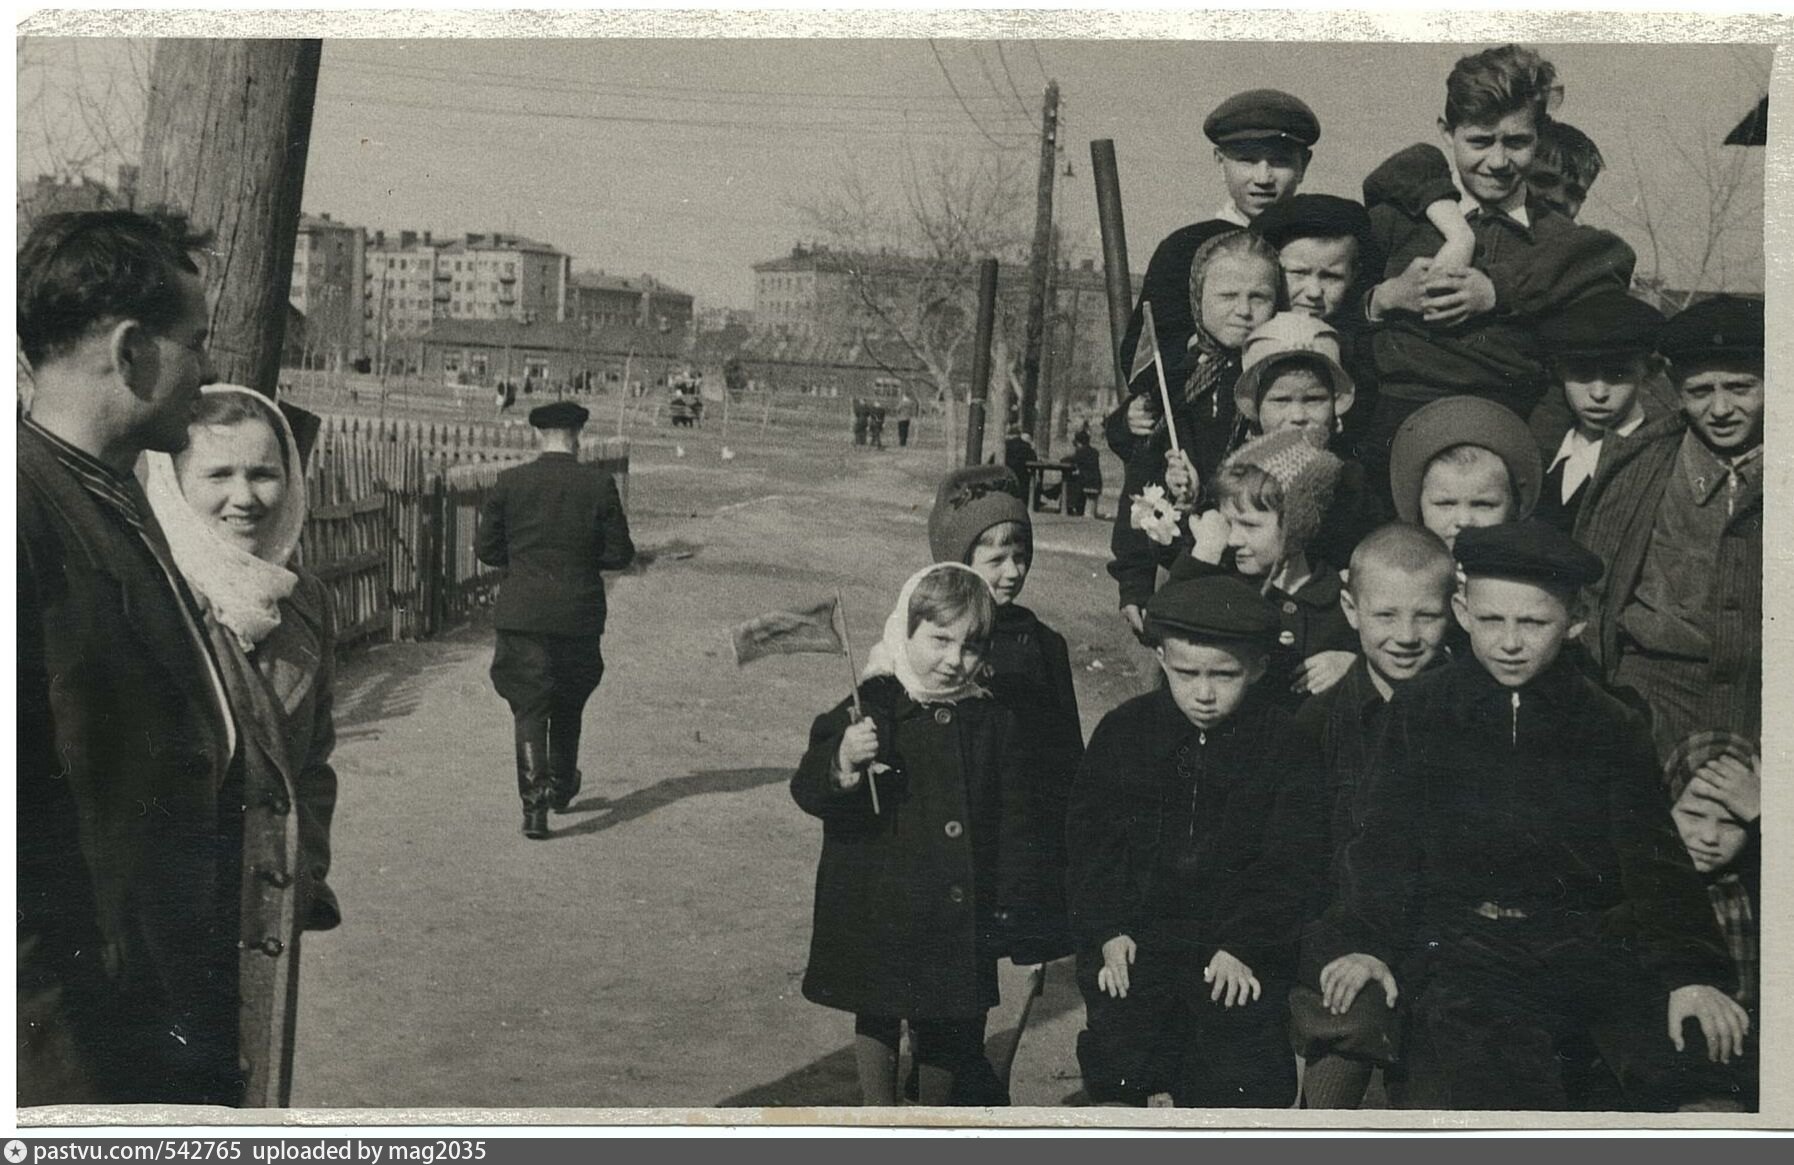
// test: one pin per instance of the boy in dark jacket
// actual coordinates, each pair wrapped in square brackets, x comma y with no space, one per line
[1193,837]
[1398,600]
[980,519]
[1517,838]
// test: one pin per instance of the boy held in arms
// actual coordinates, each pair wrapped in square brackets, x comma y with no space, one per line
[1518,850]
[980,519]
[1274,494]
[1600,349]
[1445,328]
[1194,837]
[1398,600]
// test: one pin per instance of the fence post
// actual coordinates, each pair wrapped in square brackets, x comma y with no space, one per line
[440,562]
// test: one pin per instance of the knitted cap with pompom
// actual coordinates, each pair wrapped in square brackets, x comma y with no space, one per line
[1306,475]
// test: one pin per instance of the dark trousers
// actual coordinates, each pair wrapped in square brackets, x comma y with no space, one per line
[1502,1005]
[547,680]
[902,433]
[955,1046]
[1167,1036]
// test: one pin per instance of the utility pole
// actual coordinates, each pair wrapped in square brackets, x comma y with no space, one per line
[987,316]
[1039,261]
[225,139]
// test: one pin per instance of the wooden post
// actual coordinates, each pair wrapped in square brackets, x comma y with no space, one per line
[226,133]
[1115,273]
[987,318]
[1040,259]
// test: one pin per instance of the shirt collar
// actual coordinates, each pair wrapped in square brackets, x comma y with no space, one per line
[1574,441]
[1233,214]
[1513,206]
[1707,471]
[117,491]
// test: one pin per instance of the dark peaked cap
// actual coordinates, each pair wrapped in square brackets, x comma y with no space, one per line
[562,414]
[1726,325]
[1213,607]
[1532,551]
[1605,324]
[1315,216]
[1262,115]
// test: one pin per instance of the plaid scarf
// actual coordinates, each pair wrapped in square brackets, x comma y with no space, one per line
[1738,922]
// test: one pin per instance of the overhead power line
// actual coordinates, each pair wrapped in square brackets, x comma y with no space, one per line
[1010,77]
[962,101]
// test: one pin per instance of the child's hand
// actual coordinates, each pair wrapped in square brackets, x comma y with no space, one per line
[1454,296]
[1118,955]
[1406,292]
[1722,1021]
[1211,531]
[1235,985]
[859,744]
[1141,419]
[1321,671]
[1180,477]
[1457,252]
[1136,620]
[1733,783]
[1344,977]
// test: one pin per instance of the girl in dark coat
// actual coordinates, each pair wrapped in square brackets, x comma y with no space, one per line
[913,896]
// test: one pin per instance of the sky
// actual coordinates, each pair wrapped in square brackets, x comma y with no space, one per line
[691,159]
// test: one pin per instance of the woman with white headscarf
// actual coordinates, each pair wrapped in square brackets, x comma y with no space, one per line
[232,506]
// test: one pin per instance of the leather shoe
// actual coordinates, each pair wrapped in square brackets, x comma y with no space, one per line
[562,795]
[535,822]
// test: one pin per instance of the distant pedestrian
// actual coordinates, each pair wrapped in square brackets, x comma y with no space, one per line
[1086,476]
[861,419]
[906,412]
[555,524]
[875,424]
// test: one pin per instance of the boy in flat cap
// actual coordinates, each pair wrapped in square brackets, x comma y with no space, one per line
[1678,519]
[1444,328]
[554,524]
[1194,839]
[1518,850]
[1600,350]
[1263,140]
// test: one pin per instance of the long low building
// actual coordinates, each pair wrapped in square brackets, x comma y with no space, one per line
[485,352]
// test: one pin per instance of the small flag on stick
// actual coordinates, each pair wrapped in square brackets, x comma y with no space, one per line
[1146,355]
[807,629]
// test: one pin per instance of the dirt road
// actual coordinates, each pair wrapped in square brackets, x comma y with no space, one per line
[649,952]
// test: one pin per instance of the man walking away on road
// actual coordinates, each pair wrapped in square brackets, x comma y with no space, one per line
[555,524]
[128,870]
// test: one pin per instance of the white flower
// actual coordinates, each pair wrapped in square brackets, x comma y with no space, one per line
[1155,515]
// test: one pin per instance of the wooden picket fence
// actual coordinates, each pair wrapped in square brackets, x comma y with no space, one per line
[393,514]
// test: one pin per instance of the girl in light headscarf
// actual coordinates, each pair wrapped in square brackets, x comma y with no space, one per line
[232,506]
[917,890]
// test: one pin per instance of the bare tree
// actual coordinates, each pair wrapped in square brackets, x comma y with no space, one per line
[81,104]
[1719,199]
[908,251]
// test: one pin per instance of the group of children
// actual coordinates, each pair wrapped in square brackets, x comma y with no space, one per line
[1392,806]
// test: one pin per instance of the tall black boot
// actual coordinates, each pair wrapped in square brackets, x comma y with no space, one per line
[563,760]
[532,778]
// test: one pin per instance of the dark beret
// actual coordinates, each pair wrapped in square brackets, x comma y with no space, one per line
[562,414]
[1217,607]
[1726,325]
[1533,551]
[1611,323]
[1462,420]
[1315,216]
[1260,115]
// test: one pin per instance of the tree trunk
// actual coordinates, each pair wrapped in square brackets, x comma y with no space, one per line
[225,139]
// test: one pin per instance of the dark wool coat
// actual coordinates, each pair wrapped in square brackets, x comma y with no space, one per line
[1166,286]
[914,904]
[1031,676]
[126,876]
[1546,800]
[1618,511]
[555,524]
[1195,841]
[1536,269]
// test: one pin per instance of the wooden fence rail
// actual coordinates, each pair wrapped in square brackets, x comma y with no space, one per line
[393,513]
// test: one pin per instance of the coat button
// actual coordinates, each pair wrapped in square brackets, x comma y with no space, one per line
[1289,607]
[956,894]
[954,828]
[278,879]
[943,715]
[279,805]
[269,946]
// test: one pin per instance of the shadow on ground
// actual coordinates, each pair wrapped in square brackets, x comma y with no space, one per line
[387,681]
[831,1080]
[658,796]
